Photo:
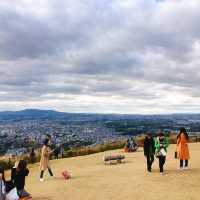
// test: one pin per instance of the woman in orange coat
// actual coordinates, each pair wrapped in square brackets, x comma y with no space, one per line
[182,148]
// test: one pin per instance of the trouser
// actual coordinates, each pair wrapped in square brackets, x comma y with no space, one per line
[23,193]
[150,160]
[42,173]
[181,163]
[161,162]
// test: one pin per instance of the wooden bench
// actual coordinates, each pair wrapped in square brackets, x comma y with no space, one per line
[115,158]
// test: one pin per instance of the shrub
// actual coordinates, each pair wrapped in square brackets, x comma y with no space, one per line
[6,164]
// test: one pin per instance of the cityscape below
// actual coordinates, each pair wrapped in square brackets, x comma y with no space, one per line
[23,130]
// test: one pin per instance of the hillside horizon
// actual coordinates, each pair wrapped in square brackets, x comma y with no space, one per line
[97,113]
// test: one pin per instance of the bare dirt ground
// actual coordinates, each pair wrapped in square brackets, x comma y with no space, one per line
[92,180]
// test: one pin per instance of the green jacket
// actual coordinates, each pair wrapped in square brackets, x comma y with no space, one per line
[157,144]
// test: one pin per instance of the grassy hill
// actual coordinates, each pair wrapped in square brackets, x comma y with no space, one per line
[92,180]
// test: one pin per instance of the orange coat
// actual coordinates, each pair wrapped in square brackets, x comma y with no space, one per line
[44,162]
[182,148]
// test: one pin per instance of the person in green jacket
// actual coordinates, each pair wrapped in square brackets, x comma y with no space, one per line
[161,144]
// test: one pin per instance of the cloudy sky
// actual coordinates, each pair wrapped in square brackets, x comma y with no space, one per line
[116,56]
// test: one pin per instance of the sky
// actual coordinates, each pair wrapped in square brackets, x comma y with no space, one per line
[100,56]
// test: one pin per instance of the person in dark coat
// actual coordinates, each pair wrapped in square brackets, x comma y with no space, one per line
[18,175]
[32,156]
[149,150]
[57,152]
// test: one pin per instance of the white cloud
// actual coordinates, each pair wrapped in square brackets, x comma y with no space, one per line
[100,56]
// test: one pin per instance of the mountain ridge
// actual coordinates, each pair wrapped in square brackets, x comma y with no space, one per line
[53,114]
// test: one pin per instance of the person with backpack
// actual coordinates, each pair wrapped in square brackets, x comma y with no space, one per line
[161,144]
[182,148]
[18,176]
[2,185]
[44,162]
[149,151]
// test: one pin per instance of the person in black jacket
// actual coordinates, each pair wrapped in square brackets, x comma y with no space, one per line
[18,175]
[149,150]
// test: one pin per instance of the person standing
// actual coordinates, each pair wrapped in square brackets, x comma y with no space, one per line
[44,162]
[32,156]
[161,144]
[149,150]
[182,148]
[57,152]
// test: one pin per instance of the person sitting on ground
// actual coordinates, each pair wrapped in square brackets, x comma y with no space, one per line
[127,146]
[18,176]
[2,185]
[134,145]
[149,150]
[131,145]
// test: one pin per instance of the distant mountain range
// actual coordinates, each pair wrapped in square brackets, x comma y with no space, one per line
[34,114]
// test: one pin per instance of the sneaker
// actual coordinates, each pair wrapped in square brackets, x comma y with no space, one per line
[149,170]
[161,173]
[41,179]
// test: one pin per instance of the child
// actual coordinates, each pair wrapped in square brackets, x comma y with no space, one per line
[2,185]
[18,175]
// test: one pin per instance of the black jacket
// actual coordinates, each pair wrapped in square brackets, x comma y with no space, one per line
[149,146]
[18,178]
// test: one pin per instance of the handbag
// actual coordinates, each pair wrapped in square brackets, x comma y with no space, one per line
[12,195]
[160,153]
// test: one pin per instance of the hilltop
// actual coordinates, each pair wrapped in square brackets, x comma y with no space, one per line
[92,180]
[33,114]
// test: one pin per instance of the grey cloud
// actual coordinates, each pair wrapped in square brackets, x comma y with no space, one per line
[135,52]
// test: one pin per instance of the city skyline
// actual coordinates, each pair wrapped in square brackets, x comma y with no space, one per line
[123,57]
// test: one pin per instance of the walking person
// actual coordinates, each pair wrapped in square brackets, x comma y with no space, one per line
[182,148]
[18,176]
[161,144]
[149,151]
[2,185]
[44,162]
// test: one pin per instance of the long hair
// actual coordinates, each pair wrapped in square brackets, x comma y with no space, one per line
[3,175]
[46,141]
[183,130]
[22,165]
